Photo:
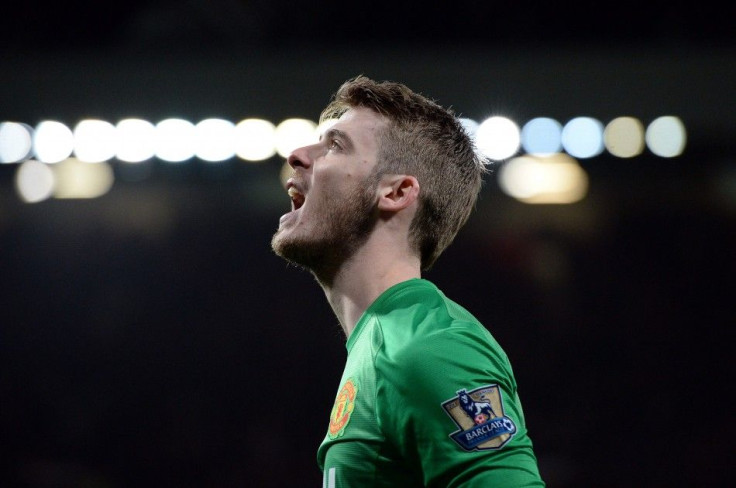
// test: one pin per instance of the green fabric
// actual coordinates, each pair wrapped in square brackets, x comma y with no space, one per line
[410,355]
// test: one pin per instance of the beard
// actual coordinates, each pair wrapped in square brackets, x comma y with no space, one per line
[345,224]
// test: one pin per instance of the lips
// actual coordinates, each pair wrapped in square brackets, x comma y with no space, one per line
[297,197]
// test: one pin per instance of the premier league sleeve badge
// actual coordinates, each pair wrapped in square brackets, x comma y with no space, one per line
[480,417]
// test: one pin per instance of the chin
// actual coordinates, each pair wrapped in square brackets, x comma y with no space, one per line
[279,242]
[295,250]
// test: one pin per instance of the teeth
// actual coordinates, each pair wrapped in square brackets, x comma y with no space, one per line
[297,199]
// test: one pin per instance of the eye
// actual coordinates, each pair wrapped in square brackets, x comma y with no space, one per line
[334,145]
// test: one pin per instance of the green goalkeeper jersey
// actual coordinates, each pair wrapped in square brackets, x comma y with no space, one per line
[427,398]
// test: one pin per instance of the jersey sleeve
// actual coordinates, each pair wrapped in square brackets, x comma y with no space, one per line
[448,404]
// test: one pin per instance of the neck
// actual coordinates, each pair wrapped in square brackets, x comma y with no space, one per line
[363,277]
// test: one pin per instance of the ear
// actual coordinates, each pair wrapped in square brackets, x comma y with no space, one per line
[397,192]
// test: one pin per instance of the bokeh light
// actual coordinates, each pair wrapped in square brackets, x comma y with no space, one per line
[80,179]
[16,142]
[498,138]
[582,137]
[542,136]
[52,141]
[471,126]
[255,139]
[95,141]
[294,133]
[285,173]
[175,140]
[666,136]
[555,179]
[214,140]
[136,140]
[34,181]
[624,137]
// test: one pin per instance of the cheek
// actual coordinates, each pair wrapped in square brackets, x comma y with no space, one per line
[330,175]
[329,189]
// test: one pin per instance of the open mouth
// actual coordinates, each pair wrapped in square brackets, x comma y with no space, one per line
[297,199]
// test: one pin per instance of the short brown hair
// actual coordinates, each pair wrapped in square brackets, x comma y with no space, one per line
[427,141]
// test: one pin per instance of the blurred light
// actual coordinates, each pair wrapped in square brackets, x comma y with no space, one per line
[471,126]
[136,140]
[79,179]
[16,142]
[498,138]
[175,140]
[542,136]
[52,141]
[324,126]
[294,133]
[551,179]
[582,137]
[34,181]
[94,141]
[214,140]
[624,137]
[255,139]
[666,136]
[286,172]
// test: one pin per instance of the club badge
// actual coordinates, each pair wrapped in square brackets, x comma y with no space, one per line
[480,417]
[343,409]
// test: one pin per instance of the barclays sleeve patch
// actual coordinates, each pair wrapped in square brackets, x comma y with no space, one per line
[480,417]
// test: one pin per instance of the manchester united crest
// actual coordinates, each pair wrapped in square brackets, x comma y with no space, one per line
[343,409]
[480,417]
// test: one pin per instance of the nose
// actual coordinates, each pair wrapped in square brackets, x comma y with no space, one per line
[300,157]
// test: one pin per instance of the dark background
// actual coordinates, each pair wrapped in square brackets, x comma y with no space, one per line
[150,337]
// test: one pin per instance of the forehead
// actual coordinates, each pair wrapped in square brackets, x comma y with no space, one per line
[362,125]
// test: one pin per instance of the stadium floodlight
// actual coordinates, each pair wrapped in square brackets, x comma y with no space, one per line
[498,138]
[175,140]
[16,142]
[666,136]
[136,140]
[582,137]
[52,141]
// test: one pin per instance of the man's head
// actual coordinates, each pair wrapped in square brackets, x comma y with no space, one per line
[383,130]
[334,207]
[424,140]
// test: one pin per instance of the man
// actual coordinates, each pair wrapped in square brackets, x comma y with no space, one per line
[427,397]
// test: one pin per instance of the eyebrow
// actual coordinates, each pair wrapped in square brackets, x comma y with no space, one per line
[338,134]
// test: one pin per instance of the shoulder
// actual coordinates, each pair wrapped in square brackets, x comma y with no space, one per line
[418,307]
[436,361]
[421,330]
[455,345]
